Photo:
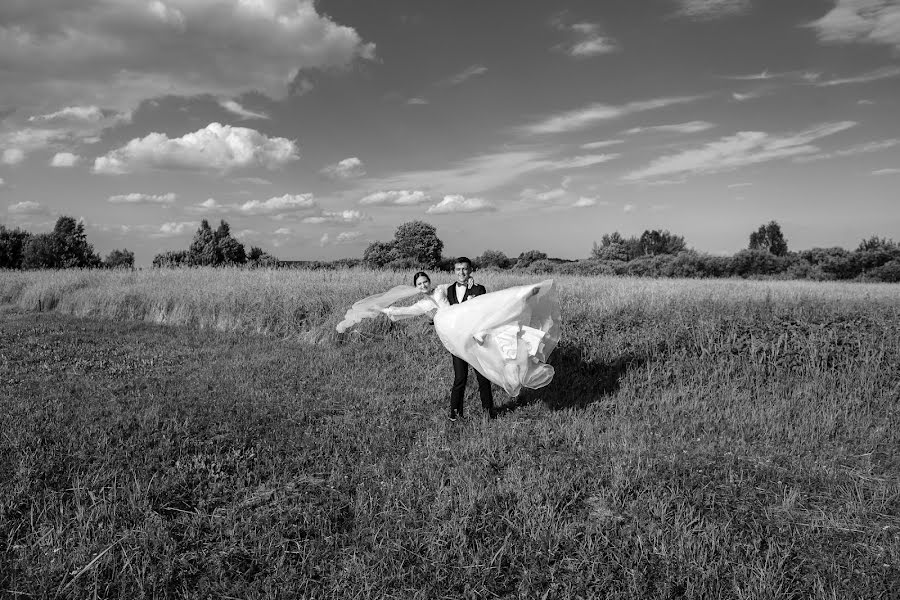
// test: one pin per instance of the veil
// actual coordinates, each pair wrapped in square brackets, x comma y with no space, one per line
[371,306]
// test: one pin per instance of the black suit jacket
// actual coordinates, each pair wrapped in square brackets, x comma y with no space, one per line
[475,290]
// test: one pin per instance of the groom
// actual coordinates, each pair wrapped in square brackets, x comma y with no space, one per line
[460,292]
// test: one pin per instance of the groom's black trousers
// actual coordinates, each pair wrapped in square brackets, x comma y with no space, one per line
[457,393]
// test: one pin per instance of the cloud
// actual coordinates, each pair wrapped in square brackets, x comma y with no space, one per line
[252,180]
[2,183]
[600,144]
[876,75]
[395,198]
[586,39]
[579,162]
[629,208]
[708,10]
[28,208]
[235,108]
[64,159]
[207,206]
[138,198]
[464,75]
[852,150]
[349,168]
[743,97]
[863,21]
[336,218]
[735,151]
[460,204]
[417,100]
[12,156]
[689,127]
[173,229]
[585,202]
[85,116]
[279,205]
[889,171]
[584,117]
[214,148]
[738,185]
[344,237]
[123,52]
[545,196]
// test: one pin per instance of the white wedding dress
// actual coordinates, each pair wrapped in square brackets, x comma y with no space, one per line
[506,335]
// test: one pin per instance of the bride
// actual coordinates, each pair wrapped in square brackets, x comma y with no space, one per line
[505,335]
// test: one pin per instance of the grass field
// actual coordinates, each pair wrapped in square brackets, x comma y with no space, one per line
[702,439]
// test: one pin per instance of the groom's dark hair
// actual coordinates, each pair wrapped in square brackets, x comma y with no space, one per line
[463,259]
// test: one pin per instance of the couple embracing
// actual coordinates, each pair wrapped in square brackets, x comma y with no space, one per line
[506,335]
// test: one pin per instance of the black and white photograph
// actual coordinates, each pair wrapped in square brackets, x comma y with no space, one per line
[420,299]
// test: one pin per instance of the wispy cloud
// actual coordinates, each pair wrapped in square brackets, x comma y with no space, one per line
[889,171]
[600,144]
[735,151]
[591,114]
[464,75]
[734,186]
[585,39]
[28,207]
[708,10]
[344,237]
[751,95]
[579,162]
[876,75]
[174,229]
[863,21]
[852,150]
[343,217]
[551,195]
[138,198]
[688,127]
[12,156]
[236,108]
[460,204]
[417,100]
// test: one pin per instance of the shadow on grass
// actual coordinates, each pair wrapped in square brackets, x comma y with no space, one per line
[577,382]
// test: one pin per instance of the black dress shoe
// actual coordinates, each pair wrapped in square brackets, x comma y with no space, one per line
[454,416]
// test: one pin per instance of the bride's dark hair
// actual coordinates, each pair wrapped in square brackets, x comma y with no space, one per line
[420,274]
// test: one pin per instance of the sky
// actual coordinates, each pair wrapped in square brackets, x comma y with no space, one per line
[315,129]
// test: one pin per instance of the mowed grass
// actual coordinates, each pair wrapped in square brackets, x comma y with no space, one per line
[701,439]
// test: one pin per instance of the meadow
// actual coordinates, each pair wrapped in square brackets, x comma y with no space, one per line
[206,433]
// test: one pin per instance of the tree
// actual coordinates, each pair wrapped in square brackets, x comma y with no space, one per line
[769,238]
[418,241]
[40,252]
[119,259]
[173,258]
[493,258]
[661,242]
[63,248]
[12,247]
[202,251]
[378,254]
[875,243]
[616,251]
[255,253]
[528,257]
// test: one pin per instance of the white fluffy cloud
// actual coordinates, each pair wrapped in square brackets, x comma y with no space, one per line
[343,217]
[734,151]
[215,148]
[64,159]
[174,229]
[396,198]
[138,198]
[866,21]
[584,202]
[348,168]
[125,51]
[591,114]
[460,204]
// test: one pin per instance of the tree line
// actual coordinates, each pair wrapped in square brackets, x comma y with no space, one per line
[66,247]
[654,253]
